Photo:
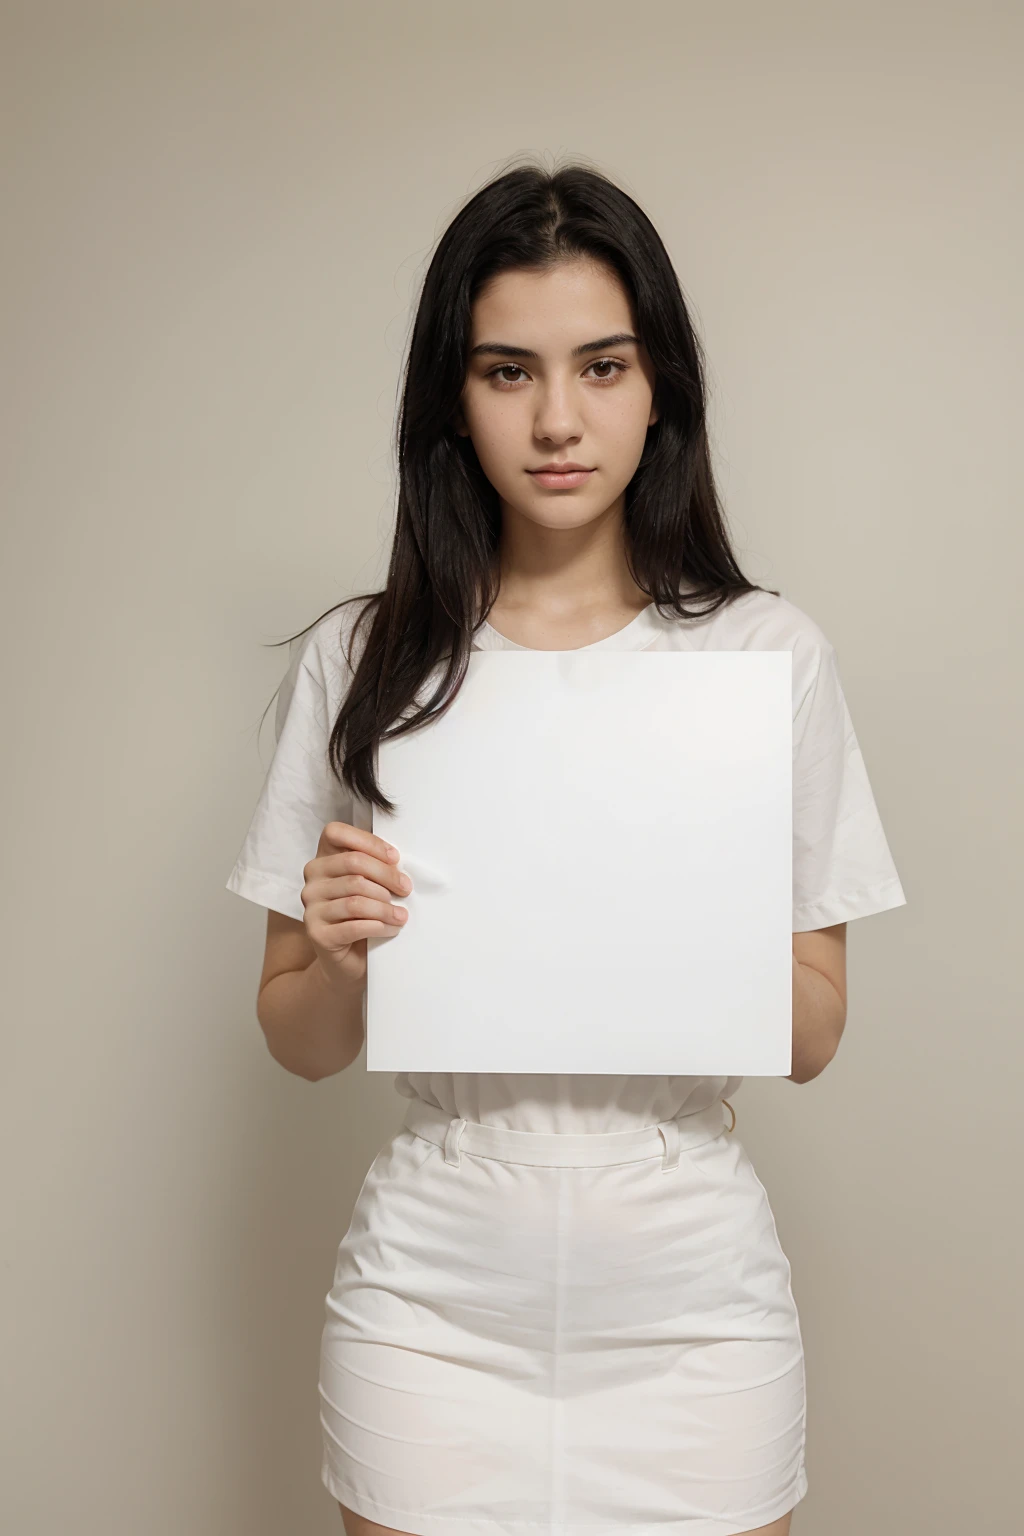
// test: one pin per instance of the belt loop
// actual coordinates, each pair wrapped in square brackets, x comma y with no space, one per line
[451,1142]
[670,1135]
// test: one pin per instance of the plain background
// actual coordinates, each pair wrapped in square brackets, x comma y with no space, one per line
[215,220]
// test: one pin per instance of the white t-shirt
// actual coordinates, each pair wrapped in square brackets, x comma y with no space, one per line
[842,866]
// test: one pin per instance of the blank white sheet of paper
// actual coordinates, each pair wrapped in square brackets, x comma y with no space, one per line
[600,845]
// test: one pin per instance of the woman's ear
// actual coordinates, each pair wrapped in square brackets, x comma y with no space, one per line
[655,407]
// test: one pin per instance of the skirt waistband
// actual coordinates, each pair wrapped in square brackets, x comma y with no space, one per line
[576,1149]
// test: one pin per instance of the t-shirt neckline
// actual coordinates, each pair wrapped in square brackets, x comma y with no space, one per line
[640,631]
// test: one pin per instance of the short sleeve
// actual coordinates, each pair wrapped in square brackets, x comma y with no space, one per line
[842,866]
[300,793]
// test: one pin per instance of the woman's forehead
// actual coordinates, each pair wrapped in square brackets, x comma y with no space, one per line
[558,308]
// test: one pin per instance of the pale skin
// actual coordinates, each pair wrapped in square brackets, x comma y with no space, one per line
[540,391]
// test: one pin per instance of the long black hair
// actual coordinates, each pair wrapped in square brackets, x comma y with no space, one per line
[443,572]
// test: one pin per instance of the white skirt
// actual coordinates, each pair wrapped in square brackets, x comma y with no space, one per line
[573,1334]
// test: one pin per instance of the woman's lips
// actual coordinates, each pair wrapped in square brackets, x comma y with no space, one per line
[560,482]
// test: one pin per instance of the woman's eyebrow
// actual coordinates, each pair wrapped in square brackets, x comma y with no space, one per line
[500,347]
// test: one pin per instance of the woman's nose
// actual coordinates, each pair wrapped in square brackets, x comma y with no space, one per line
[558,417]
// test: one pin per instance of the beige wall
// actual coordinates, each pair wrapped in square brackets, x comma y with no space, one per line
[214,217]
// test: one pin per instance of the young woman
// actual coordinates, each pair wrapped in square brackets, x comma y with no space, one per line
[561,1303]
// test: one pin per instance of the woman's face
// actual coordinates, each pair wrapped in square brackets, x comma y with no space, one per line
[554,378]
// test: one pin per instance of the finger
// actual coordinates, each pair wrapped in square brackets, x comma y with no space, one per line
[341,834]
[354,862]
[328,887]
[344,935]
[344,909]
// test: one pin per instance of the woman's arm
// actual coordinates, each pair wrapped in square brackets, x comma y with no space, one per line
[819,999]
[313,1025]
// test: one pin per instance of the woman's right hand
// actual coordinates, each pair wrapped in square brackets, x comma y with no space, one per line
[346,896]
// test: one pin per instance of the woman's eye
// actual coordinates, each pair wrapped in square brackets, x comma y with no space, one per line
[608,362]
[500,373]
